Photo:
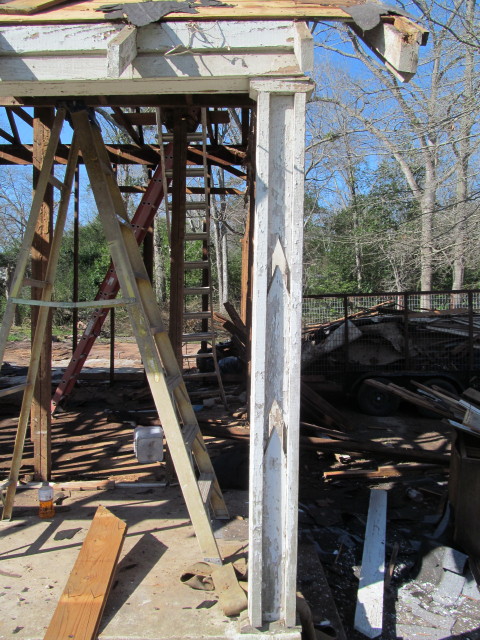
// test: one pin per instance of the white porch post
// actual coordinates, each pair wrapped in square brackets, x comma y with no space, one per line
[276,342]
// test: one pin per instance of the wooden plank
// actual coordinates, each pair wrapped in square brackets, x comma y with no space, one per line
[81,604]
[28,6]
[389,471]
[369,609]
[88,11]
[375,448]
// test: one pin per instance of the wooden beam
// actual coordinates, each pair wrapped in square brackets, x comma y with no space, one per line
[40,413]
[82,602]
[238,100]
[121,51]
[130,154]
[395,44]
[177,244]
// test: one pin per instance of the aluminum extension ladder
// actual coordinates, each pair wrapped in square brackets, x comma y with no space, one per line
[192,463]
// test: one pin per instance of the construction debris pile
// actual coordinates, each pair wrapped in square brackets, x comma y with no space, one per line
[388,338]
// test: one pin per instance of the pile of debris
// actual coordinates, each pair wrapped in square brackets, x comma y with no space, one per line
[387,337]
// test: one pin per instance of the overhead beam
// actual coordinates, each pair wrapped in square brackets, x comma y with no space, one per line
[396,43]
[231,101]
[227,157]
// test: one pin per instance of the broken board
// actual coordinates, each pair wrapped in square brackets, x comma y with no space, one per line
[369,610]
[81,604]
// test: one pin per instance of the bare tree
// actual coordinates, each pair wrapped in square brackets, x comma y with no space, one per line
[427,126]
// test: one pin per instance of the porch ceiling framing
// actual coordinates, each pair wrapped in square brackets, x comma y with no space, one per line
[250,52]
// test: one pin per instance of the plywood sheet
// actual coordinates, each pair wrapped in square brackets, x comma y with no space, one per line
[81,604]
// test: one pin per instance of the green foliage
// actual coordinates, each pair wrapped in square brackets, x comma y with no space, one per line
[356,248]
[93,262]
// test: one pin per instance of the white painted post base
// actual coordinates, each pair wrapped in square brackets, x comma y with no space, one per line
[276,344]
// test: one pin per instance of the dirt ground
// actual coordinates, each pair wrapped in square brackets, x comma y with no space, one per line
[424,598]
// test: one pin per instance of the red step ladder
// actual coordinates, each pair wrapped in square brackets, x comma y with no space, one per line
[141,222]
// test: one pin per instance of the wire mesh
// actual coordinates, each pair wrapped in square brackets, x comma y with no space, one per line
[426,332]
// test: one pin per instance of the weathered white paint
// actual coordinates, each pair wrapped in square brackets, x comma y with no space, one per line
[121,51]
[303,45]
[276,334]
[397,45]
[369,610]
[157,38]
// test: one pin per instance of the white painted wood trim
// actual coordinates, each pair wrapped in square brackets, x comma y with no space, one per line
[276,334]
[369,610]
[121,51]
[303,46]
[189,37]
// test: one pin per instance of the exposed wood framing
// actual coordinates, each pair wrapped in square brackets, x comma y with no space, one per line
[222,156]
[177,243]
[276,334]
[40,414]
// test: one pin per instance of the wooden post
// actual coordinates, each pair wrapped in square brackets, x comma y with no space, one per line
[177,258]
[276,342]
[40,413]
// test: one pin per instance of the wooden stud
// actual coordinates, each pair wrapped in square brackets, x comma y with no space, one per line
[178,213]
[40,413]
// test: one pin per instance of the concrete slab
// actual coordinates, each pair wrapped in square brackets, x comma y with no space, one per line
[147,600]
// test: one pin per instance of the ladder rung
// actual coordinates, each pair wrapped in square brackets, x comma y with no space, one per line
[197,264]
[201,335]
[191,137]
[174,381]
[188,356]
[201,235]
[31,282]
[196,291]
[189,433]
[11,390]
[207,374]
[205,484]
[197,315]
[195,204]
[56,182]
